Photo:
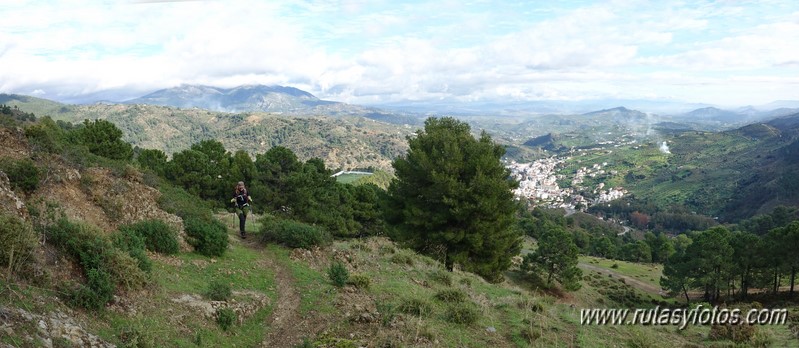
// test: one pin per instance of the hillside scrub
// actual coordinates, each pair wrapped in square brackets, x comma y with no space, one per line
[156,234]
[104,266]
[208,236]
[293,234]
[17,244]
[23,174]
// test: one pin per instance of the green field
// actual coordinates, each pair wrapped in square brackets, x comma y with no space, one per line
[349,178]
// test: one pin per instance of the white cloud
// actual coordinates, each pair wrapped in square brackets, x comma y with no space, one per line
[346,51]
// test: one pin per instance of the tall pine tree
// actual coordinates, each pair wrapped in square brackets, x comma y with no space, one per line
[452,199]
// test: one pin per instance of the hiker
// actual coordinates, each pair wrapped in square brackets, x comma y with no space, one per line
[242,201]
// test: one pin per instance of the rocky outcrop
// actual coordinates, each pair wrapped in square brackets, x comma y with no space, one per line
[53,326]
[10,203]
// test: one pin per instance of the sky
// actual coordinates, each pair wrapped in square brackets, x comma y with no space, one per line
[727,53]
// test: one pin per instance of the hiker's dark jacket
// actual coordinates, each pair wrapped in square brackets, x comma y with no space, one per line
[242,198]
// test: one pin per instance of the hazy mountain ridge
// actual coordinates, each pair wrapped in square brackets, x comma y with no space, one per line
[261,98]
[342,142]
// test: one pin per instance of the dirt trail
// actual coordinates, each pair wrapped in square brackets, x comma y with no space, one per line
[285,326]
[649,288]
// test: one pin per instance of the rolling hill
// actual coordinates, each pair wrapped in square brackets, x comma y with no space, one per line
[342,141]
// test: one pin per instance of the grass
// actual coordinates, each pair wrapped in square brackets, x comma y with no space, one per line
[521,316]
[349,178]
[647,273]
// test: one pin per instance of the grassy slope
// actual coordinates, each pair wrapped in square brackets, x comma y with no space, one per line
[520,316]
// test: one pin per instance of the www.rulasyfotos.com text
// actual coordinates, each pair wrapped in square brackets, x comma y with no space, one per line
[682,317]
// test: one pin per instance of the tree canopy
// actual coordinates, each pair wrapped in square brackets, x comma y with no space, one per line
[452,199]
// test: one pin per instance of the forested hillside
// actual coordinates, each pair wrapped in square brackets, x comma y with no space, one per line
[342,142]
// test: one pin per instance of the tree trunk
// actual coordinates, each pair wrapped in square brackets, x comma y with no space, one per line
[793,277]
[687,299]
[449,263]
[776,280]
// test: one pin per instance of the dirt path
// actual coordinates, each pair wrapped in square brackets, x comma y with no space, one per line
[649,288]
[285,326]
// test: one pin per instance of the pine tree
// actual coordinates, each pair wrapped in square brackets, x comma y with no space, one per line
[555,258]
[452,199]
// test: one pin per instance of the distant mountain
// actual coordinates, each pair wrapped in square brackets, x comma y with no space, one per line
[260,98]
[549,142]
[780,104]
[618,112]
[536,107]
[715,114]
[239,99]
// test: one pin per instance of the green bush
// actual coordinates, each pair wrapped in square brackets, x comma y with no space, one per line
[338,274]
[157,235]
[133,243]
[451,296]
[219,290]
[441,276]
[98,291]
[17,242]
[23,174]
[103,138]
[175,200]
[133,337]
[293,234]
[402,259]
[387,313]
[207,236]
[125,270]
[225,317]
[386,249]
[104,265]
[415,306]
[738,333]
[359,281]
[462,314]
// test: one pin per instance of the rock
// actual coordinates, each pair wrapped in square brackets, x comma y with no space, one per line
[491,329]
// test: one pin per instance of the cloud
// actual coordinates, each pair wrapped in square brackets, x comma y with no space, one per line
[379,51]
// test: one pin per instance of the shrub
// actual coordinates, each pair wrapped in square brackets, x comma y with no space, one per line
[415,306]
[402,259]
[96,293]
[23,174]
[359,281]
[102,263]
[293,234]
[103,138]
[441,276]
[175,200]
[17,242]
[135,338]
[739,333]
[451,296]
[207,236]
[462,314]
[133,243]
[615,265]
[386,249]
[125,270]
[338,274]
[219,290]
[531,335]
[225,317]
[387,313]
[157,235]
